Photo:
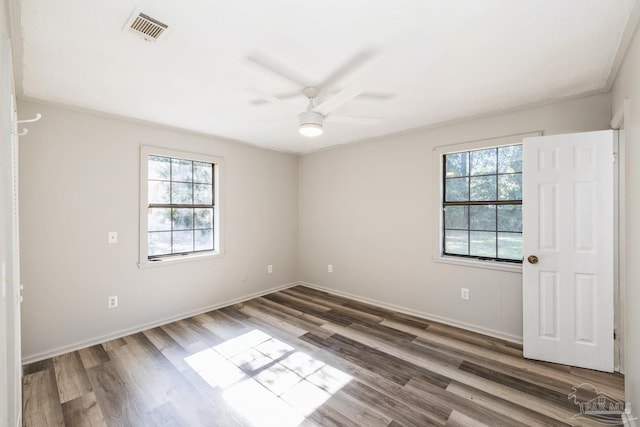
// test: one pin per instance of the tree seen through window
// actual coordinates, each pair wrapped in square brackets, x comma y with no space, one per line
[181,206]
[483,203]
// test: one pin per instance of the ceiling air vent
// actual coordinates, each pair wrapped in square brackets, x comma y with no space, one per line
[145,26]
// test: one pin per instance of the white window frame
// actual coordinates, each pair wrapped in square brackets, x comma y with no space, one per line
[439,153]
[218,242]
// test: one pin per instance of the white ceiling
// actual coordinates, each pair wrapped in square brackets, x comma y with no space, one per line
[441,59]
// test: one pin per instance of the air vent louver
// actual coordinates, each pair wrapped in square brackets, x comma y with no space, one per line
[147,27]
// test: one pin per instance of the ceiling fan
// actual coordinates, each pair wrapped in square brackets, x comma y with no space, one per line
[310,121]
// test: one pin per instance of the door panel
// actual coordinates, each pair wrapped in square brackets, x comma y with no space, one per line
[549,315]
[568,223]
[548,216]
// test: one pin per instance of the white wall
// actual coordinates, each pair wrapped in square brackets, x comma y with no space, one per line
[79,180]
[369,210]
[627,85]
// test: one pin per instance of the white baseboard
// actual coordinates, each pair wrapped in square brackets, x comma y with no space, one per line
[427,316]
[123,333]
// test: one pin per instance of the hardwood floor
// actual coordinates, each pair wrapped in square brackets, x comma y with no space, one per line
[305,357]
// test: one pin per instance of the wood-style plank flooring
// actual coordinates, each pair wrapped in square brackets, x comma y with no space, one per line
[305,357]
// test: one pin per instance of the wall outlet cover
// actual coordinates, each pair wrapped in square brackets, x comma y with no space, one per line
[113,237]
[113,301]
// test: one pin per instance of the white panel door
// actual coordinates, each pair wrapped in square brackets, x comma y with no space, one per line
[568,267]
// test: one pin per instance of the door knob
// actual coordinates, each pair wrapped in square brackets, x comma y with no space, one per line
[532,259]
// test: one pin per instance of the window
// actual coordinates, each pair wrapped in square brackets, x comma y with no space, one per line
[482,203]
[180,205]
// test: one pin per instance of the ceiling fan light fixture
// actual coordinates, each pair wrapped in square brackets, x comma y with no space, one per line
[310,124]
[310,130]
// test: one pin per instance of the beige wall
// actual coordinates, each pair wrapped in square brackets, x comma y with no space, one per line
[368,209]
[79,180]
[627,85]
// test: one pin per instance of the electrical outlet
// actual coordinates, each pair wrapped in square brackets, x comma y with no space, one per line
[113,301]
[243,277]
[269,268]
[330,268]
[464,293]
[113,237]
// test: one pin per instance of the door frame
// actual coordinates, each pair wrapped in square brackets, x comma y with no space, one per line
[9,140]
[620,278]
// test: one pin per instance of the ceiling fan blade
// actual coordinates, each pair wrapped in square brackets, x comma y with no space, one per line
[273,119]
[374,96]
[337,100]
[278,68]
[378,96]
[291,94]
[347,68]
[353,119]
[266,98]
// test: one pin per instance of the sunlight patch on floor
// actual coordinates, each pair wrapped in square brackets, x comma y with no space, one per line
[261,407]
[305,397]
[266,380]
[215,369]
[241,343]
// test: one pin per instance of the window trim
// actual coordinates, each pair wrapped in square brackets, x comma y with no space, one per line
[218,209]
[438,158]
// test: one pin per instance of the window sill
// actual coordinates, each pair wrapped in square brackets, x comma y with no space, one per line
[490,265]
[178,259]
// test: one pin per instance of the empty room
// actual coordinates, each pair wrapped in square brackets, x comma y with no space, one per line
[332,213]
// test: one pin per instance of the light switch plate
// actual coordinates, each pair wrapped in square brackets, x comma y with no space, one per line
[113,237]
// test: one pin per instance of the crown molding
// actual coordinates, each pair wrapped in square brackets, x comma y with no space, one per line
[627,36]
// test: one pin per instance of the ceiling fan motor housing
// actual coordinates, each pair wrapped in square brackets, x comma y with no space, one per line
[310,117]
[310,123]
